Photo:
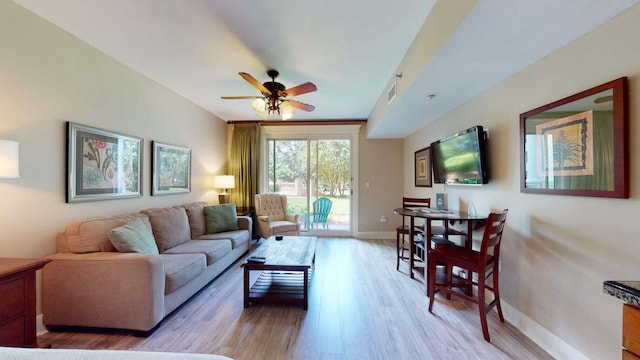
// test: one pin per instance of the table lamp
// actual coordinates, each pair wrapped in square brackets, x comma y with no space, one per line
[9,159]
[224,182]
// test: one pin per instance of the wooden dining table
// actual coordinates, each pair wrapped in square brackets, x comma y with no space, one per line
[448,218]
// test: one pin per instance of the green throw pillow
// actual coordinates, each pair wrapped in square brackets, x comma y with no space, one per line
[221,218]
[133,236]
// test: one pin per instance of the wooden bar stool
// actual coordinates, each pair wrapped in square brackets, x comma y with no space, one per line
[402,230]
[485,263]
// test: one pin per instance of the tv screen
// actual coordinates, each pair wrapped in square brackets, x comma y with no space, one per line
[460,159]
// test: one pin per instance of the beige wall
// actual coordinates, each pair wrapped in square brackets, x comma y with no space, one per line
[381,169]
[49,77]
[558,249]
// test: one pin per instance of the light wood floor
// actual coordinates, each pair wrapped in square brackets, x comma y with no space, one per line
[360,308]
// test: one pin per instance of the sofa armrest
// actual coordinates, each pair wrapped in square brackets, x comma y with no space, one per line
[104,289]
[246,223]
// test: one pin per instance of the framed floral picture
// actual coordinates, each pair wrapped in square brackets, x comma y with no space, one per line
[171,169]
[102,165]
[423,174]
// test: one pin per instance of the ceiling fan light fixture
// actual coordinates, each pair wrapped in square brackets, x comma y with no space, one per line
[286,110]
[275,97]
[258,105]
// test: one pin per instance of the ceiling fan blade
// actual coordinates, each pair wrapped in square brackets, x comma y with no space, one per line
[300,105]
[251,80]
[300,89]
[239,97]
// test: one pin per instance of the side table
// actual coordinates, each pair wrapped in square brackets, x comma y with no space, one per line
[18,301]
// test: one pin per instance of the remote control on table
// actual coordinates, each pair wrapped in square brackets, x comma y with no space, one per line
[256,259]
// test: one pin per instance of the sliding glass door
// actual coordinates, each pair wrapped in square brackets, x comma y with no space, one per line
[316,176]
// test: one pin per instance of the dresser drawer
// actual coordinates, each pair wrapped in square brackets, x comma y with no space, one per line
[12,301]
[631,328]
[12,333]
[629,356]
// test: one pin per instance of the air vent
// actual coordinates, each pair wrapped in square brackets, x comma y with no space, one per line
[392,92]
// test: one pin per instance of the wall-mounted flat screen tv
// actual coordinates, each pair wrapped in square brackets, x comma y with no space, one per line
[461,158]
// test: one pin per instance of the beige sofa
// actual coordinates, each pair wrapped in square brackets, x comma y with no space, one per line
[88,283]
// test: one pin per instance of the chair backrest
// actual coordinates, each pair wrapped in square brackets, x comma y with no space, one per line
[408,202]
[415,202]
[322,208]
[271,204]
[493,234]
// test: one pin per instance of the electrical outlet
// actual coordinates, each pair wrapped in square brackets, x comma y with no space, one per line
[383,219]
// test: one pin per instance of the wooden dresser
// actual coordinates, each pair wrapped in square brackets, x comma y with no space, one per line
[629,292]
[631,332]
[18,301]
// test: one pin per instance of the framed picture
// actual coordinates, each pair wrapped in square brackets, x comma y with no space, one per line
[102,165]
[423,174]
[171,168]
[578,145]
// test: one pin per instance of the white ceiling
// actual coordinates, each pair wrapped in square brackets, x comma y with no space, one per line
[350,49]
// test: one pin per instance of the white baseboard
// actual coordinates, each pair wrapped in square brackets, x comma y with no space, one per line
[376,235]
[551,343]
[40,328]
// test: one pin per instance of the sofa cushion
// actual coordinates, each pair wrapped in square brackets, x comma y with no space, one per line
[212,249]
[283,227]
[92,235]
[197,222]
[221,218]
[170,226]
[238,237]
[134,236]
[179,269]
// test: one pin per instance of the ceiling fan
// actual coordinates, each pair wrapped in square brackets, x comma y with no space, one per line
[275,97]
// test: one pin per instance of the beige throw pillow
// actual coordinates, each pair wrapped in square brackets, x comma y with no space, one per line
[134,236]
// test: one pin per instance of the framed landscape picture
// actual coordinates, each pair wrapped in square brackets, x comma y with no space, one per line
[423,174]
[171,169]
[101,164]
[578,145]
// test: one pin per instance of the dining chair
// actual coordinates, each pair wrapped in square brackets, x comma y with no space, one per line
[484,262]
[403,230]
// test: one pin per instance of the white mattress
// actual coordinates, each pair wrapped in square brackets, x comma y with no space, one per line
[8,353]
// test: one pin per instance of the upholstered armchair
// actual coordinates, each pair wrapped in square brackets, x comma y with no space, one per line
[273,219]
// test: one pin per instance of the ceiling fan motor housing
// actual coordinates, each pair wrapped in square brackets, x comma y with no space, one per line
[274,87]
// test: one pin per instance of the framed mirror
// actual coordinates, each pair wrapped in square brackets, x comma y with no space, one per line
[578,145]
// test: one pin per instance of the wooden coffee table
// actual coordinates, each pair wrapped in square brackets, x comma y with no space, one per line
[286,272]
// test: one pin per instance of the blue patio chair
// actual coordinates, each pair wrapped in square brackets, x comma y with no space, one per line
[321,210]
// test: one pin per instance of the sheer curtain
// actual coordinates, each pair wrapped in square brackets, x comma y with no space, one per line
[244,160]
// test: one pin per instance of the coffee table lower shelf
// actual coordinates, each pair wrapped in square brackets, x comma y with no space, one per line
[285,287]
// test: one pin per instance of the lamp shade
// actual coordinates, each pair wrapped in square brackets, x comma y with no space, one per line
[224,182]
[9,159]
